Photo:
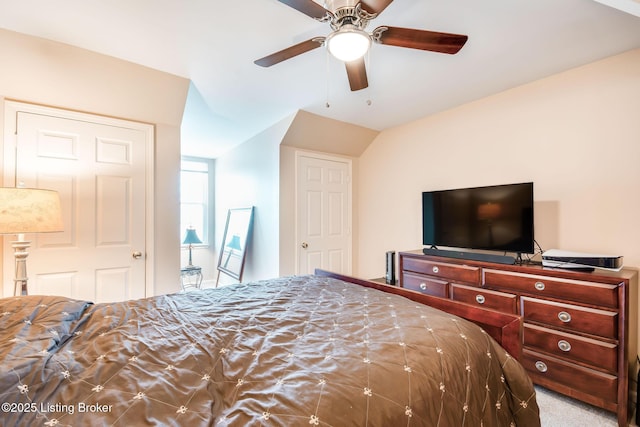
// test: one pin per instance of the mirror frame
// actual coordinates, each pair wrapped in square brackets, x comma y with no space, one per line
[235,232]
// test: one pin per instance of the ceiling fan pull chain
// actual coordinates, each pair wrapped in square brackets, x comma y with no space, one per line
[327,76]
[368,60]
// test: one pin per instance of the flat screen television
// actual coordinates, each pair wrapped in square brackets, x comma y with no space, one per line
[493,218]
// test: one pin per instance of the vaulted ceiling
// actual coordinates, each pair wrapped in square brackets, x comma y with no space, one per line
[214,44]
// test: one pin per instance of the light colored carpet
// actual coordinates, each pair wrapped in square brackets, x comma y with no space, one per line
[557,410]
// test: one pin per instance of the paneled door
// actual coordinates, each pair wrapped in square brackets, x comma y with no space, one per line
[323,214]
[99,169]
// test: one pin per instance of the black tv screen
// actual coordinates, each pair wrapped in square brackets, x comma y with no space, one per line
[496,218]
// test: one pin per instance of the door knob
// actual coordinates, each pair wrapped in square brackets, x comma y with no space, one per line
[137,254]
[305,245]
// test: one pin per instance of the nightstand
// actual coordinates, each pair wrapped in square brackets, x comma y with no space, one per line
[190,277]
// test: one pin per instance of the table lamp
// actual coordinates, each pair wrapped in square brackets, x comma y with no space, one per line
[189,239]
[27,210]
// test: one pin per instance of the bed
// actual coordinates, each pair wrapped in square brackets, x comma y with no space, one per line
[318,350]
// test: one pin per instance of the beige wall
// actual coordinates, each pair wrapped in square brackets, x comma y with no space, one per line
[45,72]
[249,176]
[288,244]
[576,135]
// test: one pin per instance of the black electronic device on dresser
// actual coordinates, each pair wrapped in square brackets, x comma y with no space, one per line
[580,328]
[390,270]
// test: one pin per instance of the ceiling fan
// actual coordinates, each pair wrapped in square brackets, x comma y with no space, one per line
[349,41]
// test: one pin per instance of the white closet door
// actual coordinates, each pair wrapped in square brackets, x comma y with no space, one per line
[99,170]
[324,215]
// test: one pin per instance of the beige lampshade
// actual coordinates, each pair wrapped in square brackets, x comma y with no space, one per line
[29,210]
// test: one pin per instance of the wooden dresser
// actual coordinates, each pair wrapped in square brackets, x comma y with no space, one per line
[580,328]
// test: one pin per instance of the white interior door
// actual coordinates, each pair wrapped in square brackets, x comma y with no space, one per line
[323,214]
[100,171]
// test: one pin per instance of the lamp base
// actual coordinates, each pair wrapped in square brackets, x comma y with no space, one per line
[20,252]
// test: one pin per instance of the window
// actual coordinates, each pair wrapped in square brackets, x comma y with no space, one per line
[194,196]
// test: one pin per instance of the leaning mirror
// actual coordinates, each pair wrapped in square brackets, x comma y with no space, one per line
[234,243]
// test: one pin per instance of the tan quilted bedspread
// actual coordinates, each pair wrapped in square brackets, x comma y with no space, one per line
[297,351]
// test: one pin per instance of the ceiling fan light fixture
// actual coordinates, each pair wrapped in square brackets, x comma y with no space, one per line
[348,43]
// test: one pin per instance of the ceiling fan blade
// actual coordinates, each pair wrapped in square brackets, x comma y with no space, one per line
[290,52]
[357,74]
[308,7]
[375,6]
[420,39]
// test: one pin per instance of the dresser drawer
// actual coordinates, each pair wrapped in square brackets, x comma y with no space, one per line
[458,273]
[584,380]
[425,284]
[601,294]
[572,317]
[486,298]
[599,354]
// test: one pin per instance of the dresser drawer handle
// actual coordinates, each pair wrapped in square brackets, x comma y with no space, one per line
[423,286]
[436,269]
[564,317]
[539,286]
[480,299]
[564,345]
[541,366]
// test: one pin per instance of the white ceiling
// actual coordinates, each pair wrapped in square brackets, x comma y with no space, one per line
[214,44]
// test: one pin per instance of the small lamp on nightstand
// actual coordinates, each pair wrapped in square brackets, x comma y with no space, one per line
[190,239]
[27,210]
